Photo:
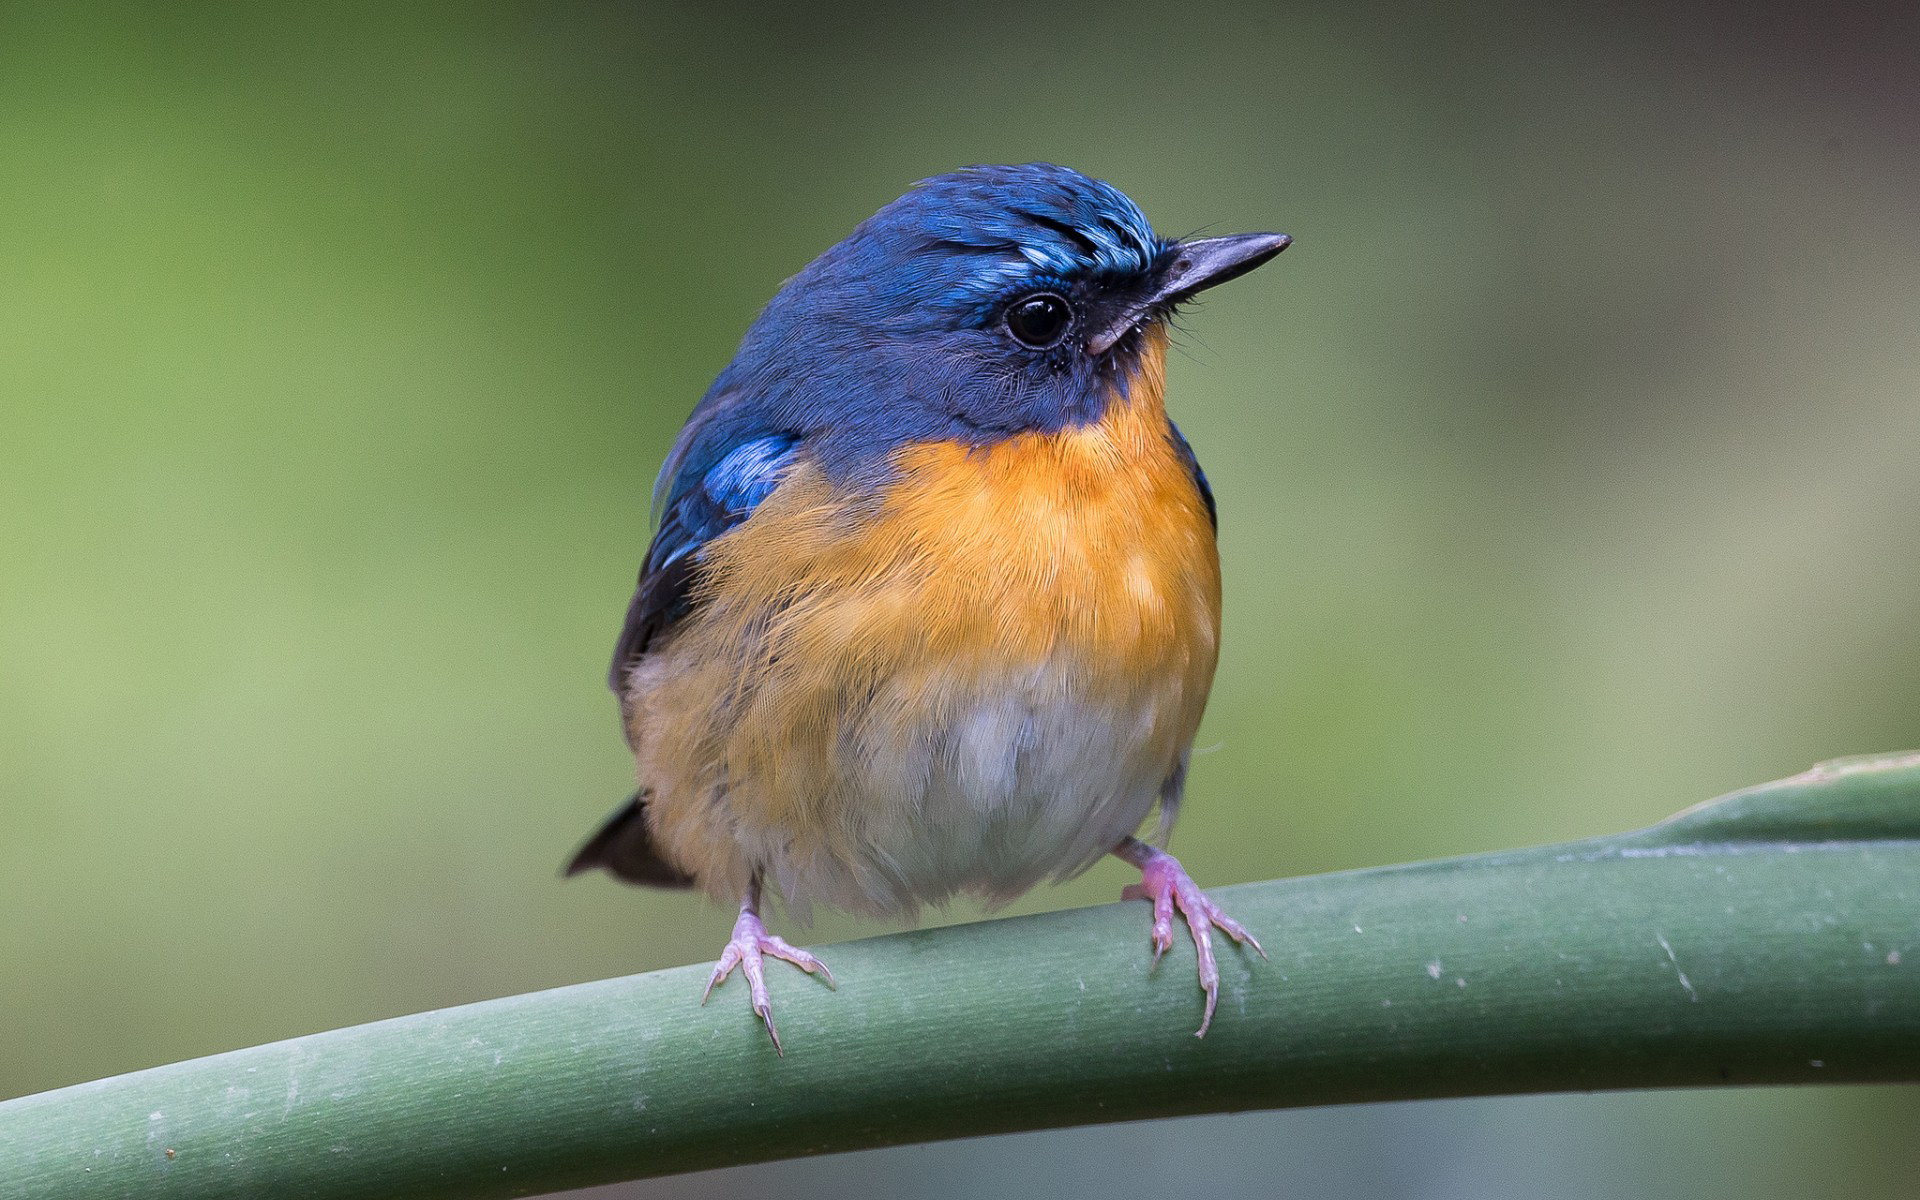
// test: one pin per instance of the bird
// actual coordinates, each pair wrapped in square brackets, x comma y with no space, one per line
[932,607]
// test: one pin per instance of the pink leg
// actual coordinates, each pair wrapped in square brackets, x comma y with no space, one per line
[1165,882]
[751,940]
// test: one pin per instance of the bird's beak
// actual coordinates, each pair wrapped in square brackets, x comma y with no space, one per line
[1200,264]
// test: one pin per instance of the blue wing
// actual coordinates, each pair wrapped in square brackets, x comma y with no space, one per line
[701,505]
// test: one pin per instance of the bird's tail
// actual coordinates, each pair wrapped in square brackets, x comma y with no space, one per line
[626,849]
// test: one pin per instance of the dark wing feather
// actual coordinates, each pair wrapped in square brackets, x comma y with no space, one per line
[696,512]
[705,499]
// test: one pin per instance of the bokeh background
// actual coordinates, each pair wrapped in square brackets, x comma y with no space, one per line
[1569,469]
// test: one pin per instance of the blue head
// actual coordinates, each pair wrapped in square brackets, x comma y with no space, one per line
[983,303]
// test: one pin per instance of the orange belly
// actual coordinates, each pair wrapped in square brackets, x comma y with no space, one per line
[981,677]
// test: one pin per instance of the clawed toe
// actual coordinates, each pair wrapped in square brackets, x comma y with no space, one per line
[1166,883]
[785,951]
[745,949]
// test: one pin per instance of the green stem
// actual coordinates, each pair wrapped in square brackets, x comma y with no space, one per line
[1773,938]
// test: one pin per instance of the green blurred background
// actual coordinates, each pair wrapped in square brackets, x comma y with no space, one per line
[1567,469]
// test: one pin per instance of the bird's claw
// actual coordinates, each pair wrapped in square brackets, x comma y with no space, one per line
[750,941]
[1165,882]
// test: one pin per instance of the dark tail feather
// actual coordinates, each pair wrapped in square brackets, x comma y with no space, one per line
[625,848]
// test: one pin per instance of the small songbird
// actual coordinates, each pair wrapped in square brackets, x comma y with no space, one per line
[934,603]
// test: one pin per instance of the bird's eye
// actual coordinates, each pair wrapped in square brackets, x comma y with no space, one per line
[1039,320]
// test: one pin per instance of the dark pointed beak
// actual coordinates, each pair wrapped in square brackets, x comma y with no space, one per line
[1201,264]
[1208,261]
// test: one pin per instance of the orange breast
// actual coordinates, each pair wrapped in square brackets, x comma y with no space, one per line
[854,663]
[1093,540]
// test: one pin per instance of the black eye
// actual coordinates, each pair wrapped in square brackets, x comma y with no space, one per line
[1039,320]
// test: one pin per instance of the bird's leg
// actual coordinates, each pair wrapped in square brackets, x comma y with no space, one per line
[1165,882]
[751,940]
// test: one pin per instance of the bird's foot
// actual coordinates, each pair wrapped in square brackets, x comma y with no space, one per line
[1165,882]
[751,940]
